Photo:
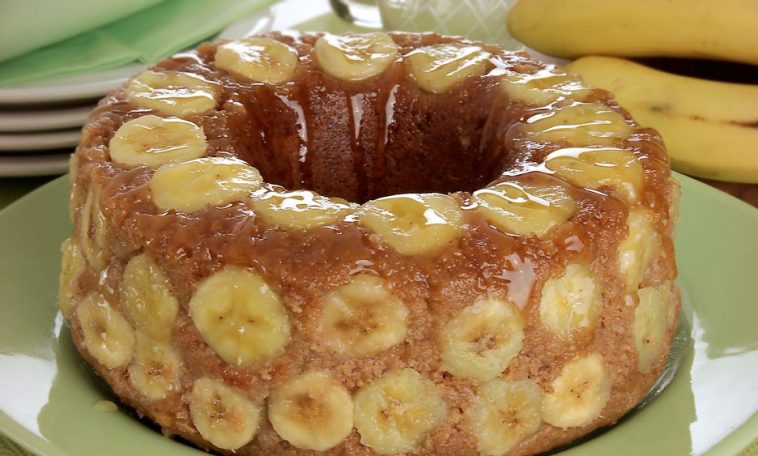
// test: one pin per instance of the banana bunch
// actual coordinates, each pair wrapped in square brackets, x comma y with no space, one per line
[634,28]
[708,126]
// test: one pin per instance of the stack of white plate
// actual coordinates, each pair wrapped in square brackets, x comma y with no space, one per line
[40,123]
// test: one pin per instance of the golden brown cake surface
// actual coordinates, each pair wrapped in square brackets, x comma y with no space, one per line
[370,244]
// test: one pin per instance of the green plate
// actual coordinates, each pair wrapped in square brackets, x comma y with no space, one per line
[47,393]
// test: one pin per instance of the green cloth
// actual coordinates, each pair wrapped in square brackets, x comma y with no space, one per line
[146,36]
[27,25]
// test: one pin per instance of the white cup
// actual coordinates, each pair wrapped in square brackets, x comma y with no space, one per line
[482,20]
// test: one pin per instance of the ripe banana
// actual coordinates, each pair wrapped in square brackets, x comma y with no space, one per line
[503,414]
[414,224]
[153,141]
[676,28]
[108,337]
[355,57]
[363,317]
[395,413]
[240,317]
[570,303]
[155,369]
[709,127]
[72,266]
[146,298]
[195,184]
[258,59]
[173,93]
[639,248]
[481,341]
[311,412]
[300,210]
[223,415]
[439,68]
[652,320]
[579,393]
[525,208]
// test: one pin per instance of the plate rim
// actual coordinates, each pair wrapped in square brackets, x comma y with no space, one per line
[42,120]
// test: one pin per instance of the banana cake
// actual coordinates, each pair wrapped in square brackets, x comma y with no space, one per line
[366,244]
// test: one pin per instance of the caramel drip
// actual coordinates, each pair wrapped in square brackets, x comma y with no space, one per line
[355,115]
[304,164]
[386,118]
[302,133]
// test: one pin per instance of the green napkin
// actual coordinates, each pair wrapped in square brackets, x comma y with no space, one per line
[146,36]
[30,24]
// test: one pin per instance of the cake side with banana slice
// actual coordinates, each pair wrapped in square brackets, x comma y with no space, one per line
[370,244]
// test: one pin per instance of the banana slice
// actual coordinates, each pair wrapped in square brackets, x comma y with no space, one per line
[300,210]
[311,412]
[223,415]
[155,369]
[146,298]
[526,209]
[258,59]
[153,141]
[503,414]
[651,323]
[240,317]
[596,168]
[579,393]
[543,87]
[108,337]
[195,184]
[92,237]
[414,224]
[570,303]
[75,195]
[640,247]
[355,57]
[441,67]
[395,413]
[172,92]
[72,266]
[481,341]
[363,318]
[581,124]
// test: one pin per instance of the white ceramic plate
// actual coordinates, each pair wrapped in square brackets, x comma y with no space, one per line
[34,165]
[24,142]
[16,121]
[96,84]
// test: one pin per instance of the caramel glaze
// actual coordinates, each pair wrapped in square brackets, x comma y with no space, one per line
[361,141]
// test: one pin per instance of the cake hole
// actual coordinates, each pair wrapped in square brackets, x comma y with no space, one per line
[364,142]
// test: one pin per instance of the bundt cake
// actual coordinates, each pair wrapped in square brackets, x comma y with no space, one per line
[368,244]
